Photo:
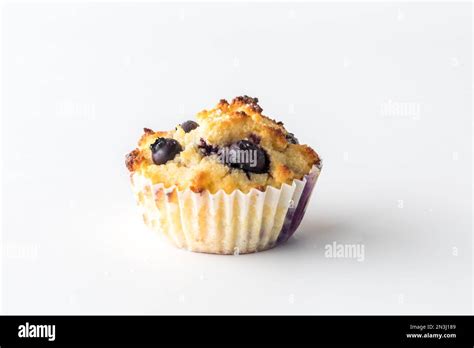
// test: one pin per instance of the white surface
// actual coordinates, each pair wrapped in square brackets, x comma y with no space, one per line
[81,81]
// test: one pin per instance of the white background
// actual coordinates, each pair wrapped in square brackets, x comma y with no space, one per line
[80,82]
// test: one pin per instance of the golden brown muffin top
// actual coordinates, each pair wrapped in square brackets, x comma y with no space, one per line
[234,147]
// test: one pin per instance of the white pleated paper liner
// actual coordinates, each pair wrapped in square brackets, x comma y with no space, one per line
[222,223]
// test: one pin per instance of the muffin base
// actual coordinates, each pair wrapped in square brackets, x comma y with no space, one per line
[222,223]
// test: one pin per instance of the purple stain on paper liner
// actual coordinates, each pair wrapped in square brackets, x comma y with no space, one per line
[294,216]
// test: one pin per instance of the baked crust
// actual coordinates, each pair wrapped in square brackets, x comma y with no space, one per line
[241,119]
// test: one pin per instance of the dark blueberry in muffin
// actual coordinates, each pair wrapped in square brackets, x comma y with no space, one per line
[292,139]
[188,126]
[164,150]
[248,157]
[207,149]
[255,139]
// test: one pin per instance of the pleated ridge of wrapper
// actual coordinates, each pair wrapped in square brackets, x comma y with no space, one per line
[222,223]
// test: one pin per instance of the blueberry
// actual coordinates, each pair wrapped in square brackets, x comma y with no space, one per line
[207,149]
[164,149]
[188,126]
[246,156]
[255,138]
[291,138]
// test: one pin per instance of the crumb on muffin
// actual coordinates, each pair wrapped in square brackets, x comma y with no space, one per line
[190,156]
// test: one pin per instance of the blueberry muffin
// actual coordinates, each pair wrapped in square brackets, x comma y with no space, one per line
[233,181]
